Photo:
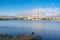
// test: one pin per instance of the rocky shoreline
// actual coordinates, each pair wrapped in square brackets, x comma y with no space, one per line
[20,37]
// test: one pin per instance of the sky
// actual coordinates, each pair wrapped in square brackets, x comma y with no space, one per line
[18,7]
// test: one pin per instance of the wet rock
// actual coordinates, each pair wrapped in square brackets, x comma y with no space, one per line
[31,36]
[3,37]
[13,38]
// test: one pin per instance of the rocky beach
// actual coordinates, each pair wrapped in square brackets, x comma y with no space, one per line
[20,37]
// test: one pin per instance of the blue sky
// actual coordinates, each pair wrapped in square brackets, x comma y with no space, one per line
[13,7]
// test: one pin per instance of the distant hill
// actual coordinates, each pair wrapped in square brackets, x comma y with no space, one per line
[7,17]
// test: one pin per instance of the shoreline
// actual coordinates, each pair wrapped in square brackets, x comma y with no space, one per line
[20,37]
[29,18]
[37,20]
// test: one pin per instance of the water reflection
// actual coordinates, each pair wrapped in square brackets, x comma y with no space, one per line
[46,29]
[36,25]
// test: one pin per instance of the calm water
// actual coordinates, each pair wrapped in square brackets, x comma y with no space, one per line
[48,30]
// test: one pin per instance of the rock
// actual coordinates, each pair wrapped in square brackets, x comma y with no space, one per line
[13,38]
[31,36]
[32,33]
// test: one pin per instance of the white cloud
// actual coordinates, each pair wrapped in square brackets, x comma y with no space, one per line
[42,12]
[48,11]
